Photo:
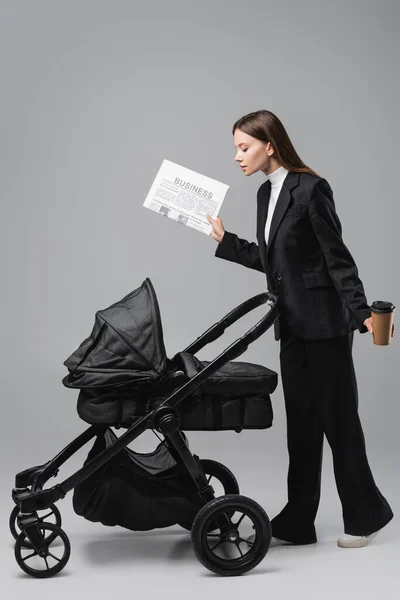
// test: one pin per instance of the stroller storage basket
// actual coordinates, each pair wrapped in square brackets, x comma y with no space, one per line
[138,492]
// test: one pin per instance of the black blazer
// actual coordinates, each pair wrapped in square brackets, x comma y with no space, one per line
[306,261]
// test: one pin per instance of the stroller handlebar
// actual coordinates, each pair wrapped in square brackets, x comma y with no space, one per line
[216,330]
[235,349]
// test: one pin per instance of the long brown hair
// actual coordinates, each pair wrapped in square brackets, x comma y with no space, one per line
[266,127]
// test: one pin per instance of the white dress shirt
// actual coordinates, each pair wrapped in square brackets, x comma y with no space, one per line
[276,178]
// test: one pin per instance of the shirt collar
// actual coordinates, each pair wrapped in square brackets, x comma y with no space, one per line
[277,176]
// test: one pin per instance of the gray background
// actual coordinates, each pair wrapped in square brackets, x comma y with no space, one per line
[95,95]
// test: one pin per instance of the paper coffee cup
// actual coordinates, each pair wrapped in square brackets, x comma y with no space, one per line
[382,321]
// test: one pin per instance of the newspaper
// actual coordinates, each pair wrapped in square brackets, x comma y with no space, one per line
[186,196]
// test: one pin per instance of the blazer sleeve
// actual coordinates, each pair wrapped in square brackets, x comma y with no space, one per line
[245,253]
[342,268]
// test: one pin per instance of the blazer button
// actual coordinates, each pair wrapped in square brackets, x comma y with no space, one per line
[279,278]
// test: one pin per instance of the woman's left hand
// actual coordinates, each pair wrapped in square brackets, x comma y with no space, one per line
[368,324]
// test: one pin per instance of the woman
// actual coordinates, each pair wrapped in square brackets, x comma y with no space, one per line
[301,251]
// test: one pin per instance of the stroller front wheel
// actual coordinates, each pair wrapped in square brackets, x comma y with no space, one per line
[49,562]
[220,530]
[52,512]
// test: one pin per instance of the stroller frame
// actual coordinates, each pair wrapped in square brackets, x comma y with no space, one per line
[28,493]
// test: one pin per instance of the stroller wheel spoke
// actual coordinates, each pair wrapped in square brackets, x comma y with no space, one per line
[240,520]
[228,516]
[47,564]
[246,542]
[29,556]
[216,545]
[53,556]
[239,548]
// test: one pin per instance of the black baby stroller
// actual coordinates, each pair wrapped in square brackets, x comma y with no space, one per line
[126,380]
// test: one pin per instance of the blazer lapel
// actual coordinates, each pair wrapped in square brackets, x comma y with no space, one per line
[280,208]
[263,209]
[290,181]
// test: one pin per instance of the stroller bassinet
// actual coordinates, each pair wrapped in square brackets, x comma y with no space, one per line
[123,373]
[125,379]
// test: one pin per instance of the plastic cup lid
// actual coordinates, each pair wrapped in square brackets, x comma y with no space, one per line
[380,306]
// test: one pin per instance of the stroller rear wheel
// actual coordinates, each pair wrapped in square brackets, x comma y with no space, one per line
[221,473]
[46,563]
[43,515]
[224,476]
[225,551]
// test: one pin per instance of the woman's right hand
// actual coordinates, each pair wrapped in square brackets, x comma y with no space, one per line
[217,228]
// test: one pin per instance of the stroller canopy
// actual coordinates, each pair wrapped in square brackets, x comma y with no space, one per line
[125,346]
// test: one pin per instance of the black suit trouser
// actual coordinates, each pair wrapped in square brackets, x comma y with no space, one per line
[320,392]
